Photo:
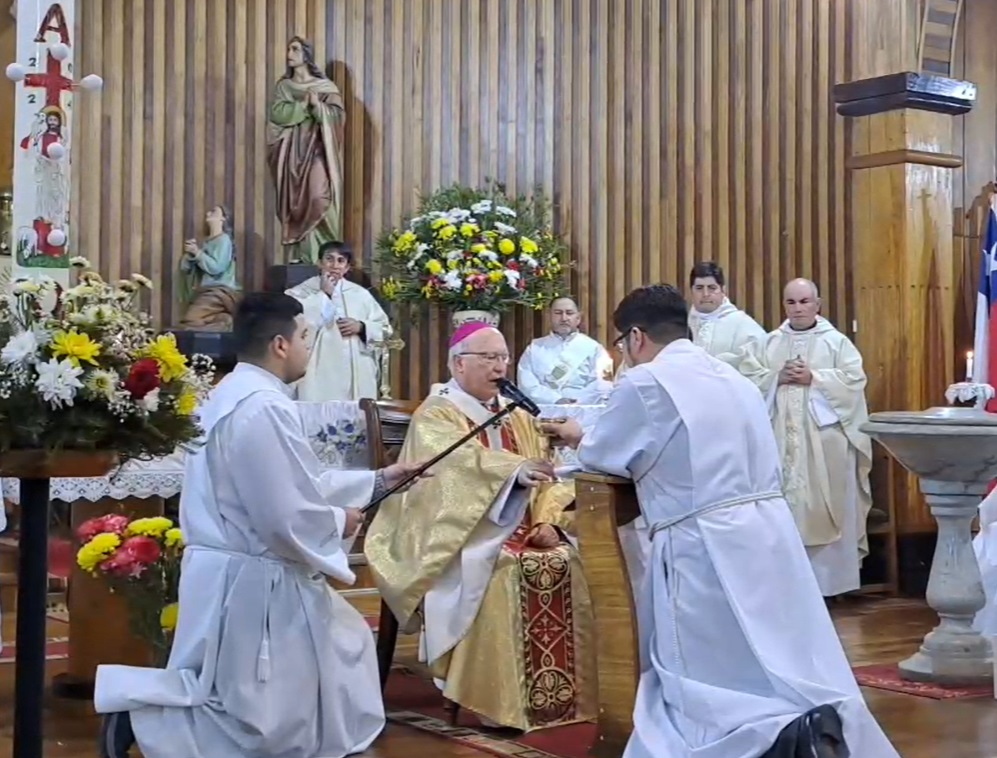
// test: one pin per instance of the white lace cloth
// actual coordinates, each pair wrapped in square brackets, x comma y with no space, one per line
[337,431]
[965,392]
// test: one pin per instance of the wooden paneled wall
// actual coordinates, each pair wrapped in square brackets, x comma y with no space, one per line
[666,132]
[8,53]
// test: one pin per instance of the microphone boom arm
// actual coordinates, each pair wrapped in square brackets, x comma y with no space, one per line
[436,459]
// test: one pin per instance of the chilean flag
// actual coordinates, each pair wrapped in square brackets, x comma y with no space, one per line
[985,339]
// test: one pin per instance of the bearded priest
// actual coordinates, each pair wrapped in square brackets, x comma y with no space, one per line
[480,555]
[812,377]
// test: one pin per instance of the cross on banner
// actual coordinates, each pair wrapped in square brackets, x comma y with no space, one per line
[52,81]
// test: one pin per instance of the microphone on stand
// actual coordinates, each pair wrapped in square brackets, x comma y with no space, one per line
[517,400]
[518,397]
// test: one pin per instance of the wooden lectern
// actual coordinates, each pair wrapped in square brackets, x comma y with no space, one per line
[603,504]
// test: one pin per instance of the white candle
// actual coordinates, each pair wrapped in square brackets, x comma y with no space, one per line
[969,366]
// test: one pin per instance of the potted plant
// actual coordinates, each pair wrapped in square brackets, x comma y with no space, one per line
[476,252]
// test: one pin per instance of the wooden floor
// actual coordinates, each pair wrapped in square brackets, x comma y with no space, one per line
[873,632]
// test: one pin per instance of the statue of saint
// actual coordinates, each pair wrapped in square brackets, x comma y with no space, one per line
[305,153]
[208,287]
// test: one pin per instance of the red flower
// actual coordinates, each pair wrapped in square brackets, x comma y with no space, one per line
[143,378]
[90,528]
[133,557]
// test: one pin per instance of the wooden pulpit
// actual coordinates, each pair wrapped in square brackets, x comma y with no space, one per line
[603,504]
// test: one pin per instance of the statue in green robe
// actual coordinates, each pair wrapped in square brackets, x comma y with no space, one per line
[305,131]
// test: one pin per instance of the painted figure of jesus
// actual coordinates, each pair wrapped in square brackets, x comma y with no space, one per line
[305,153]
[50,174]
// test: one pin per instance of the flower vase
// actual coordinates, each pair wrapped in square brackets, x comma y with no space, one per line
[35,469]
[459,318]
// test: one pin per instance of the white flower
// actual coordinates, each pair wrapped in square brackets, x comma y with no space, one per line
[512,277]
[488,255]
[102,384]
[505,211]
[142,281]
[46,283]
[26,287]
[529,260]
[415,222]
[504,228]
[452,280]
[58,381]
[151,401]
[23,346]
[482,206]
[458,214]
[79,261]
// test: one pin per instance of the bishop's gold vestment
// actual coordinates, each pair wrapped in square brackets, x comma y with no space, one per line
[522,654]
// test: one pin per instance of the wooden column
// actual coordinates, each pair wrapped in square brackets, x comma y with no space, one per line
[900,122]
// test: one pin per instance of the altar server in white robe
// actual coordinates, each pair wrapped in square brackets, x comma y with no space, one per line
[566,366]
[267,661]
[717,325]
[739,658]
[812,376]
[345,320]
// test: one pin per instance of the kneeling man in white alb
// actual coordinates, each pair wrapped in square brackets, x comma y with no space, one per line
[739,658]
[268,661]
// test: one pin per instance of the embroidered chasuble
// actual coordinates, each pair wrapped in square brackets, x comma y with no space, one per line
[826,458]
[507,629]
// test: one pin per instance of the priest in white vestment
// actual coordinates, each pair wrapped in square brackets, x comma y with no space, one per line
[267,661]
[345,321]
[717,325]
[481,555]
[812,376]
[739,658]
[566,366]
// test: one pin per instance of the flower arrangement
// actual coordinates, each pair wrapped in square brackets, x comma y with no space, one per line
[82,369]
[474,249]
[140,558]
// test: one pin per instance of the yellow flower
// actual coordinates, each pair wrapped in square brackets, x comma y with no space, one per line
[173,537]
[390,288]
[447,232]
[506,246]
[96,551]
[75,346]
[186,403]
[168,617]
[149,527]
[453,265]
[527,245]
[172,363]
[495,277]
[469,230]
[439,223]
[404,242]
[478,247]
[434,267]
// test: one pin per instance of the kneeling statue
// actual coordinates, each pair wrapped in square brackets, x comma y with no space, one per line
[208,287]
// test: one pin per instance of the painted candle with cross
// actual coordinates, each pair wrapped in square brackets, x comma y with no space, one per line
[43,118]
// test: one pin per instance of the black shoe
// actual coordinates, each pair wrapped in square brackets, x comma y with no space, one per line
[815,734]
[116,735]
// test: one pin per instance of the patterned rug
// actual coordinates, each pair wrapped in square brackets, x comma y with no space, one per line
[414,701]
[888,678]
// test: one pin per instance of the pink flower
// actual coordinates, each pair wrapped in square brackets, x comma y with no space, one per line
[122,563]
[113,523]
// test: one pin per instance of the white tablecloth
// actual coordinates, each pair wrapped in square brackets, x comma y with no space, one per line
[337,431]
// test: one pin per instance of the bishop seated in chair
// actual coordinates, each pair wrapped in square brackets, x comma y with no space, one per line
[480,555]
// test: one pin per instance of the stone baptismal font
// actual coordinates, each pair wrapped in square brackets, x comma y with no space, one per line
[953,452]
